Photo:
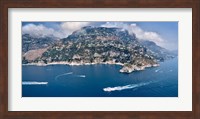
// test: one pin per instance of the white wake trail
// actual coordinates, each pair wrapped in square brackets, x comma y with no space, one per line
[34,83]
[82,76]
[119,88]
[63,75]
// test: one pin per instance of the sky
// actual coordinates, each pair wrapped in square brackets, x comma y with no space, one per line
[164,34]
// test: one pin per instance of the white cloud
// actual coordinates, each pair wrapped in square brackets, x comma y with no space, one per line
[70,27]
[40,31]
[63,30]
[139,32]
[73,25]
[146,35]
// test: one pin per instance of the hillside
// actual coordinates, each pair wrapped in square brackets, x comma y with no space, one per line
[101,45]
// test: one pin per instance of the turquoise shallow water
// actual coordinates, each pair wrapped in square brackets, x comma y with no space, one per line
[100,81]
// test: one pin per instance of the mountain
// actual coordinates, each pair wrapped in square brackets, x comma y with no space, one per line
[159,53]
[32,43]
[94,45]
[34,47]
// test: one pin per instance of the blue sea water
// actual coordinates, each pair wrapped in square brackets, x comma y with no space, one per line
[100,80]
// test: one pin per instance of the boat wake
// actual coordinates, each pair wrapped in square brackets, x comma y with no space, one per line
[63,75]
[82,76]
[34,83]
[130,86]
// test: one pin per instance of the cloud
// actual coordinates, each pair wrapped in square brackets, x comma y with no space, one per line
[36,31]
[63,30]
[40,31]
[139,32]
[70,27]
[146,35]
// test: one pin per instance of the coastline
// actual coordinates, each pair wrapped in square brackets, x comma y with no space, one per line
[124,69]
[71,63]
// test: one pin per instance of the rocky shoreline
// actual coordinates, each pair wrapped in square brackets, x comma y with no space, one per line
[130,69]
[125,68]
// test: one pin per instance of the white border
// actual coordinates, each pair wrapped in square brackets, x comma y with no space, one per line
[182,103]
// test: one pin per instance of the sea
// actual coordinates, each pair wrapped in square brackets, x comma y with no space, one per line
[100,80]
